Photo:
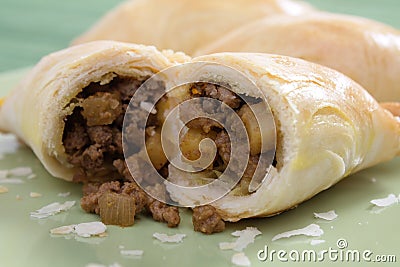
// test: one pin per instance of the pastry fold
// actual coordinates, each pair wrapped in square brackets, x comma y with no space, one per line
[68,110]
[36,109]
[183,25]
[366,51]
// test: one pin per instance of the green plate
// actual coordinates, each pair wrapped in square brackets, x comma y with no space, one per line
[25,241]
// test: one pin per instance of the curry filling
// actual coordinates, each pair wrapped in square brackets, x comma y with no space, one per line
[92,140]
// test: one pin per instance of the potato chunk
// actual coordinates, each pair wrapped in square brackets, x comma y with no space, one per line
[155,150]
[190,143]
[101,109]
[253,128]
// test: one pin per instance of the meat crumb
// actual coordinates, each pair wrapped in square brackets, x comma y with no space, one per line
[161,212]
[207,220]
[76,138]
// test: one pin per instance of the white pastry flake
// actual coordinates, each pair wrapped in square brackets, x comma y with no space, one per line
[83,229]
[329,215]
[245,237]
[240,259]
[385,202]
[177,238]
[310,230]
[52,209]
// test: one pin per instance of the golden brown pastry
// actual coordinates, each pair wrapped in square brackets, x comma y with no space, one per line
[183,25]
[365,50]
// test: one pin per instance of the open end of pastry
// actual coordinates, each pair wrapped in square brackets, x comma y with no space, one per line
[92,140]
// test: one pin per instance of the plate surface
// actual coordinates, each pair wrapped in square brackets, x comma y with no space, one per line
[25,241]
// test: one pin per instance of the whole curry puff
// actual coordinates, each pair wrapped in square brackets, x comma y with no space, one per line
[70,110]
[184,25]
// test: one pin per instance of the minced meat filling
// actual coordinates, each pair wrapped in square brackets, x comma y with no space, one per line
[217,92]
[93,132]
[207,220]
[221,139]
[93,142]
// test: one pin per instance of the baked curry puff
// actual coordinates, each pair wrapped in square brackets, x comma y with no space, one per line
[70,110]
[328,127]
[365,50]
[183,25]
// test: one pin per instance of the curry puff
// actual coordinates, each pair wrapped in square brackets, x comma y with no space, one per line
[365,50]
[70,110]
[183,25]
